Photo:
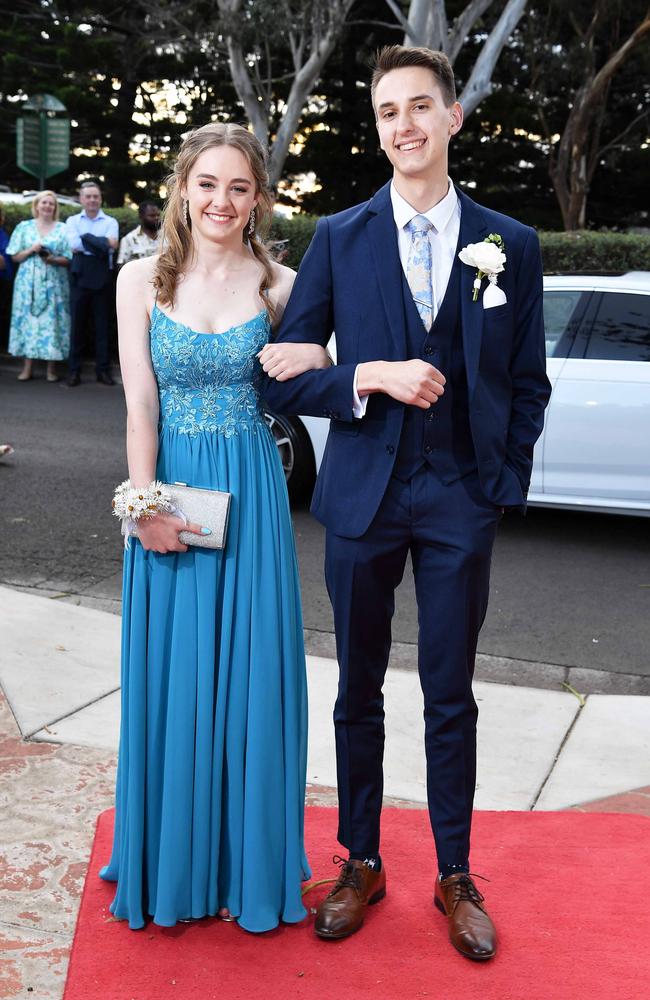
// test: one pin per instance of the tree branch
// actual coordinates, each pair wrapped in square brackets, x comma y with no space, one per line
[302,87]
[462,26]
[606,72]
[615,142]
[479,84]
[401,20]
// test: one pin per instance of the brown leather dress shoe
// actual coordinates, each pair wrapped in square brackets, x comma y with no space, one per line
[470,929]
[342,912]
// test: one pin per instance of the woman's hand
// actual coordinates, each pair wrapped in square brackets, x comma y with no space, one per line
[160,532]
[285,361]
[35,247]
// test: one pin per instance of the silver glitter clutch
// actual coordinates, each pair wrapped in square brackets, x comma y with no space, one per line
[208,508]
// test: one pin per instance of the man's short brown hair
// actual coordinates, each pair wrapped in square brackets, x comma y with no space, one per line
[400,57]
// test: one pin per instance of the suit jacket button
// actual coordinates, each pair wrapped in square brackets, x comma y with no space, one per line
[428,349]
[390,449]
[427,449]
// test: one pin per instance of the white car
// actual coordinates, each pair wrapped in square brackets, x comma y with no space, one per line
[594,451]
[26,197]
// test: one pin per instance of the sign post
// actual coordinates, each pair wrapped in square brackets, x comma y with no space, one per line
[42,138]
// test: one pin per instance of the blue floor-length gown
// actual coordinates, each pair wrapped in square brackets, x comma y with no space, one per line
[213,744]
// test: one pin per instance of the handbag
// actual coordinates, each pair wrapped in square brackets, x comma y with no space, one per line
[209,508]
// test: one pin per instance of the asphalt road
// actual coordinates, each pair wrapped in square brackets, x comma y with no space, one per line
[567,588]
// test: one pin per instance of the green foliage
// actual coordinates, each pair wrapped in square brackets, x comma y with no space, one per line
[569,253]
[563,253]
[165,63]
[595,253]
[298,230]
[14,213]
[107,62]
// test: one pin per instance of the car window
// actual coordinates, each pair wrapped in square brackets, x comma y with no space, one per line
[562,309]
[621,330]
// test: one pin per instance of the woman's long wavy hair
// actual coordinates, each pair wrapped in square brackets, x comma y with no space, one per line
[177,243]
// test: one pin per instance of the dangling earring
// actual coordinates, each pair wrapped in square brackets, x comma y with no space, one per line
[251,223]
[186,213]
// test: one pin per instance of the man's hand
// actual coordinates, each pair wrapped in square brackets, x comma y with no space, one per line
[414,382]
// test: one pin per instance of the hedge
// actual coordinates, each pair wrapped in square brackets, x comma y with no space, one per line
[15,213]
[583,252]
[595,253]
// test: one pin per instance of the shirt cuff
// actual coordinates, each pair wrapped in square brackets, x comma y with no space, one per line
[359,403]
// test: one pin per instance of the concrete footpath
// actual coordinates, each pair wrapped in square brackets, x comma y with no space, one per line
[59,722]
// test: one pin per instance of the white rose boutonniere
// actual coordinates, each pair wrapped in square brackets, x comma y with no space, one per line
[487,257]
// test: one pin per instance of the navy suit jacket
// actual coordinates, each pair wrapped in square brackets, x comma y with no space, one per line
[92,270]
[350,282]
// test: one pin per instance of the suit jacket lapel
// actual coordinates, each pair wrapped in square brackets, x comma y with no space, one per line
[382,236]
[473,229]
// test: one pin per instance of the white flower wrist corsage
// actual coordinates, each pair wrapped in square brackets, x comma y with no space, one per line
[131,504]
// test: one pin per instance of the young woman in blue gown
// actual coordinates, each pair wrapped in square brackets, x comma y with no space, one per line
[212,760]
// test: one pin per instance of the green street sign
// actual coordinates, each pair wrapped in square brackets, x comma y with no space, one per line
[57,145]
[42,140]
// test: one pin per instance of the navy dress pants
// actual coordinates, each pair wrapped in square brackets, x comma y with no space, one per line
[83,303]
[449,531]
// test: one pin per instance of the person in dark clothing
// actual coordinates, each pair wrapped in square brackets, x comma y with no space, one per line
[93,237]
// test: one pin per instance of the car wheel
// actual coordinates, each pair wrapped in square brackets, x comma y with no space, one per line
[296,454]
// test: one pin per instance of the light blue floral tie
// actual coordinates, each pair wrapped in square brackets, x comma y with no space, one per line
[419,268]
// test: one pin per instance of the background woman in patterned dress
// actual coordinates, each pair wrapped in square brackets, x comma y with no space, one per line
[40,312]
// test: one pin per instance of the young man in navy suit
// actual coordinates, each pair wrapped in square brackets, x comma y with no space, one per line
[435,404]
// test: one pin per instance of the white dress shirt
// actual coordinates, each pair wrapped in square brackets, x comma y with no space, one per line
[100,225]
[445,219]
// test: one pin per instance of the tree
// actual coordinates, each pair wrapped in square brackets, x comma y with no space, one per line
[130,81]
[427,24]
[256,33]
[337,138]
[598,40]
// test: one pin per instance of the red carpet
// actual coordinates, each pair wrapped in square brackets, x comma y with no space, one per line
[569,893]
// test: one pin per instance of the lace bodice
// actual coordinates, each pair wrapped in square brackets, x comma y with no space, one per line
[208,382]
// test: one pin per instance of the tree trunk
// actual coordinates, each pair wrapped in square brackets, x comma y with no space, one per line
[307,71]
[572,168]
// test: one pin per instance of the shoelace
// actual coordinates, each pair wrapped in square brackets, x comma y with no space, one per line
[466,891]
[349,877]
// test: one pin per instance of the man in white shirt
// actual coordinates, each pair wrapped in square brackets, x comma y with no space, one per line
[144,240]
[435,404]
[93,237]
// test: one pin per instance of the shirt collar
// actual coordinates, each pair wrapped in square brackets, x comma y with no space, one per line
[439,216]
[100,215]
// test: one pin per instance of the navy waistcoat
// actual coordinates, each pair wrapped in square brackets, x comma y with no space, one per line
[439,437]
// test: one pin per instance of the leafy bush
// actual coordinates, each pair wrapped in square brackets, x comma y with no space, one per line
[594,253]
[299,231]
[584,252]
[570,253]
[15,213]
